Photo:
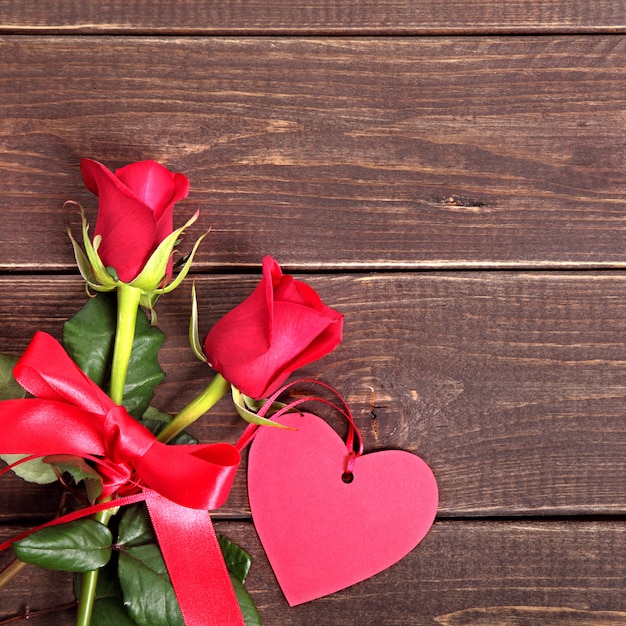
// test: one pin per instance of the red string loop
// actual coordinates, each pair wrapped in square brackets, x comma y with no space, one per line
[354,434]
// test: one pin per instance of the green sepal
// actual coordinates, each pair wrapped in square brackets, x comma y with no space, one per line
[194,335]
[79,546]
[244,411]
[149,281]
[148,301]
[186,267]
[153,272]
[84,267]
[97,277]
[81,258]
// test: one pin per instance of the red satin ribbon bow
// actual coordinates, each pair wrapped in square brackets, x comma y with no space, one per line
[71,415]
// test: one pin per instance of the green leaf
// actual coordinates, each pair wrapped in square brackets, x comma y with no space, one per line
[144,371]
[155,421]
[78,546]
[148,592]
[246,604]
[135,528]
[237,560]
[110,612]
[79,470]
[9,388]
[89,337]
[35,471]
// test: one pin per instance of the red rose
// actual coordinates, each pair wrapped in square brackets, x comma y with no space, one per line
[280,327]
[135,212]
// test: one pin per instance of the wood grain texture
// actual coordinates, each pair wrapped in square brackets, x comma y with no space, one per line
[361,143]
[463,573]
[510,385]
[331,153]
[309,16]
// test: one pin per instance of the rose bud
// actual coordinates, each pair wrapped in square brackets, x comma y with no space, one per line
[135,212]
[134,237]
[280,327]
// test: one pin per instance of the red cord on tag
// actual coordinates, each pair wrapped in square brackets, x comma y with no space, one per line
[353,431]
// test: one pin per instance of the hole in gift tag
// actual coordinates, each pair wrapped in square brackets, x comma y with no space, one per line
[347,477]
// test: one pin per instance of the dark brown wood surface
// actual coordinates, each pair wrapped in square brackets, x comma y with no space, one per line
[464,573]
[310,16]
[449,175]
[330,153]
[511,385]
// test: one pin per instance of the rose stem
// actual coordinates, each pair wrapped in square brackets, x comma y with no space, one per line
[127,307]
[10,571]
[197,407]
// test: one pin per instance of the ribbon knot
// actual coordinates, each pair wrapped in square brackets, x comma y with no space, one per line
[125,440]
[124,444]
[71,415]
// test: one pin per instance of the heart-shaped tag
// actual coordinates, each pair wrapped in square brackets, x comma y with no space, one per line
[320,533]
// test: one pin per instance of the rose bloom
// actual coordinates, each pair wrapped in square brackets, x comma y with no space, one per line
[135,212]
[280,327]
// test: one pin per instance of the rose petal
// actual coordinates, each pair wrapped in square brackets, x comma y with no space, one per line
[154,185]
[301,337]
[242,334]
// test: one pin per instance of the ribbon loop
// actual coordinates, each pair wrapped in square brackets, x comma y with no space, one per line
[46,371]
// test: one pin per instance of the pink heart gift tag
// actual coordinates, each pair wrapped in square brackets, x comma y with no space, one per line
[320,533]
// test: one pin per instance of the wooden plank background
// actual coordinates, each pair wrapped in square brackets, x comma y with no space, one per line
[413,152]
[450,175]
[310,16]
[430,586]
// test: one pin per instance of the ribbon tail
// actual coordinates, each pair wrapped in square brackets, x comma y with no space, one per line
[193,556]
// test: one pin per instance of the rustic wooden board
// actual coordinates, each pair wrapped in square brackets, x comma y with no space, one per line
[511,385]
[463,573]
[262,16]
[334,153]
